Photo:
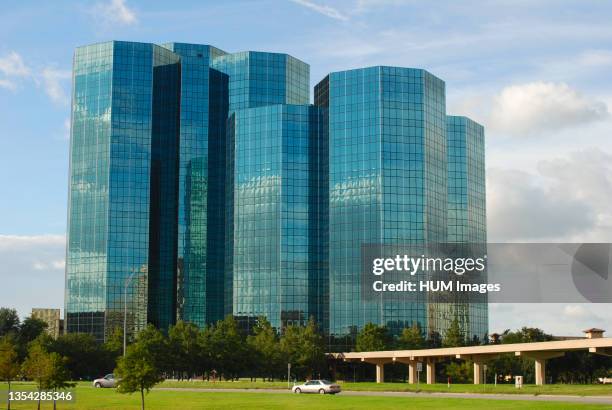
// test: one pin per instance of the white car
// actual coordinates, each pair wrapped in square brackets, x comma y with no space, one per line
[106,381]
[317,386]
[605,380]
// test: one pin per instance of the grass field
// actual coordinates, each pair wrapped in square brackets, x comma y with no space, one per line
[563,389]
[88,398]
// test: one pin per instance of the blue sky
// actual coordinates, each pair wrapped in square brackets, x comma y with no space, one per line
[536,74]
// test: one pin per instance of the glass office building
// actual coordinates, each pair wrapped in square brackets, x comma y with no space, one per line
[203,183]
[201,177]
[387,184]
[278,261]
[258,79]
[467,205]
[124,131]
[255,79]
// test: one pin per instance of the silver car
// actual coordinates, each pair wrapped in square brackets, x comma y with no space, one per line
[317,386]
[106,381]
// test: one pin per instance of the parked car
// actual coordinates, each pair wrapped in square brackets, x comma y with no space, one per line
[106,381]
[317,386]
[605,380]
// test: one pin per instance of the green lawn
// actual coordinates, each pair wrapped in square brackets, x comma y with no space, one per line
[88,398]
[564,389]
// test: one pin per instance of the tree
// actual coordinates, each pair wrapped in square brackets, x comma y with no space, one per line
[58,377]
[226,347]
[9,366]
[138,371]
[312,348]
[265,348]
[184,348]
[434,339]
[85,357]
[304,348]
[460,372]
[453,336]
[290,344]
[9,321]
[156,346]
[114,343]
[526,335]
[30,329]
[37,366]
[411,338]
[205,357]
[373,338]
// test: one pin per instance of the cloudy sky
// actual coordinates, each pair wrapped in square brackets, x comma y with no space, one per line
[536,74]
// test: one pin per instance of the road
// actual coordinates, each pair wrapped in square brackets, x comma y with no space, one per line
[516,397]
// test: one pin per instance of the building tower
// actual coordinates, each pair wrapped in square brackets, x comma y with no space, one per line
[467,217]
[387,184]
[123,154]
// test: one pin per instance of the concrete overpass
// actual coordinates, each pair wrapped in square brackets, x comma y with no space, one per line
[479,355]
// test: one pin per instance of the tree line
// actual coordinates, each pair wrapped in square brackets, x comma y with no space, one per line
[216,352]
[222,351]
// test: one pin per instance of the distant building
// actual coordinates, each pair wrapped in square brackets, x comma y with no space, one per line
[52,317]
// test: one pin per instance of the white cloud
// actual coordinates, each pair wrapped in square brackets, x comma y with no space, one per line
[519,209]
[59,264]
[12,65]
[67,129]
[322,9]
[576,311]
[52,79]
[526,109]
[566,199]
[595,58]
[32,271]
[362,6]
[9,85]
[114,12]
[20,242]
[12,69]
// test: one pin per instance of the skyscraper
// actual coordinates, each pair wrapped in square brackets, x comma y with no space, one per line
[278,268]
[467,222]
[387,183]
[201,174]
[274,263]
[120,236]
[203,183]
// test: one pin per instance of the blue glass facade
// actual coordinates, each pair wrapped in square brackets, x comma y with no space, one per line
[116,156]
[255,79]
[277,264]
[202,116]
[387,183]
[209,179]
[467,218]
[258,79]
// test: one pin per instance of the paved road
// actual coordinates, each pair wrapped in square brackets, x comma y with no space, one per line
[517,397]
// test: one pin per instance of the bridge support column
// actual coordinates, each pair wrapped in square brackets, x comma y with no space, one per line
[412,367]
[540,372]
[479,361]
[540,363]
[478,372]
[380,372]
[431,371]
[412,372]
[380,368]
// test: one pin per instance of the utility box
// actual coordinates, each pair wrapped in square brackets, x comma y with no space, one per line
[518,382]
